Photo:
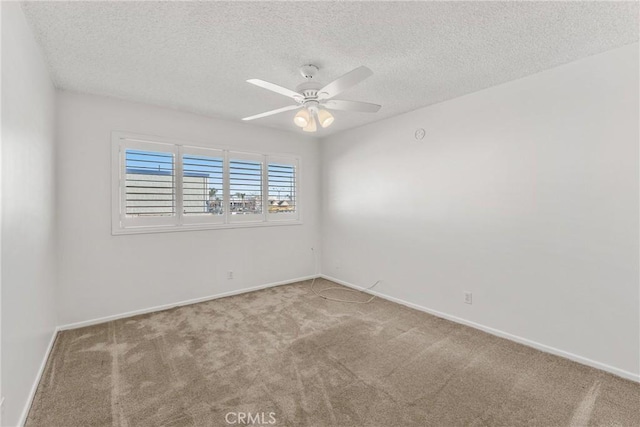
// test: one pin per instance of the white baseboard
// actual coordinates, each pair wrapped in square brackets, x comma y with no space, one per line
[538,346]
[99,320]
[34,387]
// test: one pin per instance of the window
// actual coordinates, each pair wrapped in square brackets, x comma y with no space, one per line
[202,186]
[282,202]
[161,185]
[245,187]
[150,185]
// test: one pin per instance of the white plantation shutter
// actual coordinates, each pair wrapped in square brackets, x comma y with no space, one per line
[147,185]
[150,184]
[202,185]
[160,185]
[282,188]
[245,187]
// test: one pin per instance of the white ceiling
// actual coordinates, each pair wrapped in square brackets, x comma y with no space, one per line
[196,56]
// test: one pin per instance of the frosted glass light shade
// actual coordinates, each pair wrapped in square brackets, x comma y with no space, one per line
[311,127]
[325,118]
[302,118]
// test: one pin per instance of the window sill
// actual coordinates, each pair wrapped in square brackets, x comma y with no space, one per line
[200,227]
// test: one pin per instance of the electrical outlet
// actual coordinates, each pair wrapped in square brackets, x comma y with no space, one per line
[468,298]
[229,274]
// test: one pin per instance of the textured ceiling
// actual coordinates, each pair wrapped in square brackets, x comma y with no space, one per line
[196,56]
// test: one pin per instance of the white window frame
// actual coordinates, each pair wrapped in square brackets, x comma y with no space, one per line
[121,224]
[119,216]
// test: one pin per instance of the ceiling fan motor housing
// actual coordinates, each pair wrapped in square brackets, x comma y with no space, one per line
[311,105]
[309,90]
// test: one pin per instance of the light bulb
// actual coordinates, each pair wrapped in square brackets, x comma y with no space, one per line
[311,127]
[325,118]
[302,118]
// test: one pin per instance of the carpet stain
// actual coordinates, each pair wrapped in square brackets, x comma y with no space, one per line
[306,361]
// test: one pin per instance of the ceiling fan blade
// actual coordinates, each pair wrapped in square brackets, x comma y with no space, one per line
[363,107]
[272,112]
[343,83]
[275,88]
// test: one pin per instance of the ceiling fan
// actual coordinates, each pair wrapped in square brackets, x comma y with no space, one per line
[313,100]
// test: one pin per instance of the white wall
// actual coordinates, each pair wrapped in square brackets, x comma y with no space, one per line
[28,211]
[103,275]
[525,194]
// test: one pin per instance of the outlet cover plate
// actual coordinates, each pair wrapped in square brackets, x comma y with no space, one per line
[468,298]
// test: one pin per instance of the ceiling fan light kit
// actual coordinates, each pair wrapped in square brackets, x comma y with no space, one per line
[313,100]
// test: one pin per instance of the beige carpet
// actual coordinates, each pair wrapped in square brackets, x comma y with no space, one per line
[286,355]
